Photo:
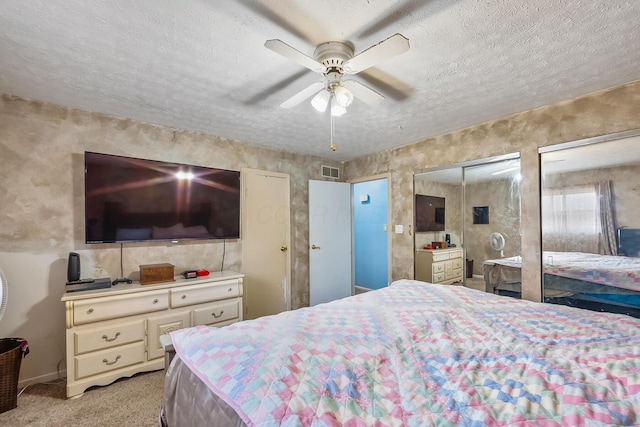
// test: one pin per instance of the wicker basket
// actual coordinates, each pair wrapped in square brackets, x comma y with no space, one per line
[10,358]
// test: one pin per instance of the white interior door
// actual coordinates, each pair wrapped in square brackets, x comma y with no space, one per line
[329,241]
[265,243]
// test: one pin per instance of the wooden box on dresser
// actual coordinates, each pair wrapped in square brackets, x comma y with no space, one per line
[439,265]
[115,332]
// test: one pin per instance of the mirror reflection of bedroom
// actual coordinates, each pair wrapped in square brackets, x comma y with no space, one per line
[591,226]
[480,205]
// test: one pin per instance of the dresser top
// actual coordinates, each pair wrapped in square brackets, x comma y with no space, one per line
[126,288]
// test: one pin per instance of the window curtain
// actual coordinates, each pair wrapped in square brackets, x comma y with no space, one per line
[607,218]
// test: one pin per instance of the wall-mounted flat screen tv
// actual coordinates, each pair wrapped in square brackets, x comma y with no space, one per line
[136,200]
[429,213]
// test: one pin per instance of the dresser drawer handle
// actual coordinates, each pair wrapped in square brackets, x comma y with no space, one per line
[155,301]
[183,297]
[219,315]
[104,337]
[230,290]
[90,311]
[106,362]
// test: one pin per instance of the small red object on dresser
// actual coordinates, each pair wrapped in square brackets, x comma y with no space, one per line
[203,273]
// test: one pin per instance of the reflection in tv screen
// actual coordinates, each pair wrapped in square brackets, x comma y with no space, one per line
[133,200]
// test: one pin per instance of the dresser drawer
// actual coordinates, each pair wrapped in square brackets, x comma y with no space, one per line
[457,263]
[215,313]
[438,277]
[457,274]
[456,254]
[438,267]
[163,325]
[198,294]
[100,338]
[109,360]
[97,309]
[440,256]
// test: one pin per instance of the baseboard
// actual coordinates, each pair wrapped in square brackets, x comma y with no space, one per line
[478,276]
[361,290]
[53,376]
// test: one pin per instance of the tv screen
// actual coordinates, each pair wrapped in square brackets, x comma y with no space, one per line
[135,200]
[429,213]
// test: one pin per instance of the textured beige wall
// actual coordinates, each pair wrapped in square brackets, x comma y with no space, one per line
[613,110]
[41,219]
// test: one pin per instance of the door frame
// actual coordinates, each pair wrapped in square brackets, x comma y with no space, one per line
[288,242]
[386,175]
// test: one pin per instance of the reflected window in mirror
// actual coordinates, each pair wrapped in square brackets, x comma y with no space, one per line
[590,225]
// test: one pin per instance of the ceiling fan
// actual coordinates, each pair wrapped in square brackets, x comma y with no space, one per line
[333,60]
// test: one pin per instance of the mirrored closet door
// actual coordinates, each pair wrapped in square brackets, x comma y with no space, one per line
[467,222]
[492,225]
[590,223]
[439,257]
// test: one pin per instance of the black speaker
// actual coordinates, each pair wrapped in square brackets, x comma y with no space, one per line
[73,267]
[447,238]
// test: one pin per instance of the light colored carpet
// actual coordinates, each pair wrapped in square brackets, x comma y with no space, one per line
[131,401]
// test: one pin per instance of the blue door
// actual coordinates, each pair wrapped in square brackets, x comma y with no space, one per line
[370,244]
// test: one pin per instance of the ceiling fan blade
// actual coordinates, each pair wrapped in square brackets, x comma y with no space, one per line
[278,46]
[303,94]
[388,48]
[363,93]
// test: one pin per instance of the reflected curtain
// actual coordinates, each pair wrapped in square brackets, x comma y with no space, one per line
[607,218]
[570,220]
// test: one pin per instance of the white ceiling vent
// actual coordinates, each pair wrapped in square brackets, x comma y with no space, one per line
[330,172]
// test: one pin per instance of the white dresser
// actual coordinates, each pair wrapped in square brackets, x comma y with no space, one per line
[115,332]
[439,265]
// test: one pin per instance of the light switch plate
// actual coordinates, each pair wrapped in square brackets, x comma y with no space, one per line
[399,229]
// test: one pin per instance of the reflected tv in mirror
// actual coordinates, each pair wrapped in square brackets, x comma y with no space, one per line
[429,213]
[136,200]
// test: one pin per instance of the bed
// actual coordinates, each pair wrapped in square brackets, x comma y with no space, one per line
[598,282]
[412,354]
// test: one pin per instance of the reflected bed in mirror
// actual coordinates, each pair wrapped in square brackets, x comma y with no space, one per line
[597,282]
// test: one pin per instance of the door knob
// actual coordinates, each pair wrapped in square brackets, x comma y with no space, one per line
[283,248]
[315,247]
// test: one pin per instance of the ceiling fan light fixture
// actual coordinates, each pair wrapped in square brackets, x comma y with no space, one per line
[344,97]
[321,100]
[336,109]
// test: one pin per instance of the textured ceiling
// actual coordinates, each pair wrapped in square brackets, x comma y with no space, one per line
[201,65]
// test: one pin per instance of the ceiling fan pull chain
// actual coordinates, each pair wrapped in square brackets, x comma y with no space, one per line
[333,144]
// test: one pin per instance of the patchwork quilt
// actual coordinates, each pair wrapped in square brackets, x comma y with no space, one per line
[617,271]
[418,354]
